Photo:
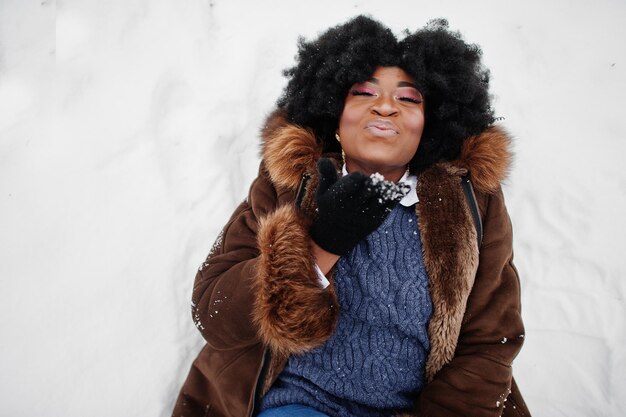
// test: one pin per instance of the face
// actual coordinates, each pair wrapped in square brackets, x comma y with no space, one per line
[381,123]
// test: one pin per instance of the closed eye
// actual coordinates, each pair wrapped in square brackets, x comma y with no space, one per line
[361,93]
[415,100]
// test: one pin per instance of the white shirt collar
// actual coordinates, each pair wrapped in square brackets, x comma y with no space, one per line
[411,180]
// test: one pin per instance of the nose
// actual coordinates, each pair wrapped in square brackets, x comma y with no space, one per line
[385,105]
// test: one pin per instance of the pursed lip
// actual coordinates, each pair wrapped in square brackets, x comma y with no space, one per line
[383,125]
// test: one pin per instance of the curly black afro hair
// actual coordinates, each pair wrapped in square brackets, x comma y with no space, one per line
[448,72]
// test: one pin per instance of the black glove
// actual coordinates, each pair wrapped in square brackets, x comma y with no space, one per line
[351,208]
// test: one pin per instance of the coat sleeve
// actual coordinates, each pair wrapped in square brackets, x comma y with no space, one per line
[477,381]
[259,282]
[223,294]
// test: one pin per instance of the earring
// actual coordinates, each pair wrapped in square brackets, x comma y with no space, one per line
[343,154]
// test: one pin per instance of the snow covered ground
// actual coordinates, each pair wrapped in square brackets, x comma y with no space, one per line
[128,133]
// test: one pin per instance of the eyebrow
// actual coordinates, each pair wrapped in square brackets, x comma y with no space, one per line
[400,83]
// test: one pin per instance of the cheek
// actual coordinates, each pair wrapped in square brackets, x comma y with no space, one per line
[415,125]
[414,128]
[349,118]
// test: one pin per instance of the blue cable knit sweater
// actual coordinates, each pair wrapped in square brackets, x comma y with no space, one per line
[375,360]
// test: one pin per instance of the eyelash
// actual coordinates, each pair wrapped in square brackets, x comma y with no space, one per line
[411,99]
[361,93]
[368,94]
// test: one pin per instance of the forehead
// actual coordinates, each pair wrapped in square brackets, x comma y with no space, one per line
[391,75]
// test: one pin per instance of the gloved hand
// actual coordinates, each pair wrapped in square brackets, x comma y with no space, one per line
[351,208]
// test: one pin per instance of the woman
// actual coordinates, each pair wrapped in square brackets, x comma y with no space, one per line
[363,276]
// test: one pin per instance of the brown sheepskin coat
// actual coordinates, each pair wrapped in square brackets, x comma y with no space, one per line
[256,299]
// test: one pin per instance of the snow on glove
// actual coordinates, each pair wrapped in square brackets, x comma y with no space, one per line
[352,207]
